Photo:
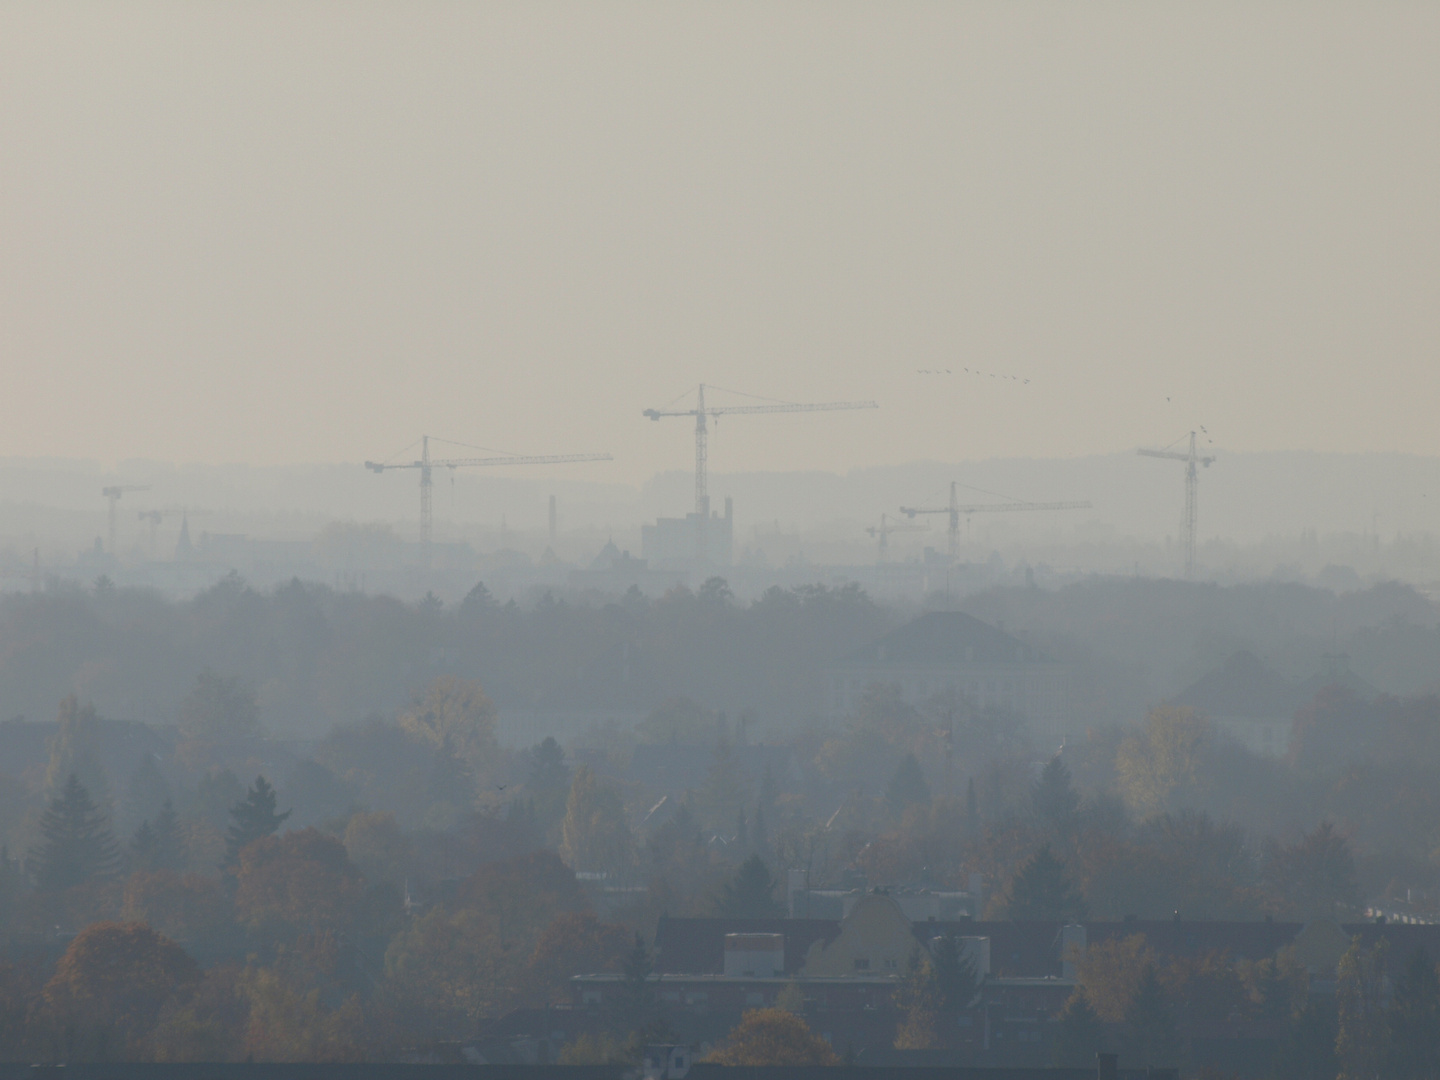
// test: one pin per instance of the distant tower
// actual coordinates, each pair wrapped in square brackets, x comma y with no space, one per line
[183,549]
[552,522]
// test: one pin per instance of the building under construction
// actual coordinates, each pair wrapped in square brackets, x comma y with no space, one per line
[676,543]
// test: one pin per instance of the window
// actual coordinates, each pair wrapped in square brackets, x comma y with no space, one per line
[590,997]
[891,965]
[862,964]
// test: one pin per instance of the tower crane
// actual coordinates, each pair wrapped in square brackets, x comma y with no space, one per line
[426,464]
[1192,484]
[112,494]
[885,528]
[956,508]
[701,412]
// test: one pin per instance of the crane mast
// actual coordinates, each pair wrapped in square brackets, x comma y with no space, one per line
[702,413]
[112,494]
[954,509]
[1189,519]
[426,465]
[885,528]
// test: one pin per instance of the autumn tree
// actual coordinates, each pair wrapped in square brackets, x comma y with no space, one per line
[109,986]
[76,843]
[595,835]
[187,908]
[252,818]
[1110,971]
[573,943]
[75,751]
[773,1037]
[749,893]
[1362,1029]
[918,1000]
[466,959]
[1314,877]
[1042,889]
[299,883]
[1161,764]
[457,713]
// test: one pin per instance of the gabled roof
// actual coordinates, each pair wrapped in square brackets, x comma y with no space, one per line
[946,639]
[1242,686]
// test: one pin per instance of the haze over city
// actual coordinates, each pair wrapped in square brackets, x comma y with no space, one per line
[659,541]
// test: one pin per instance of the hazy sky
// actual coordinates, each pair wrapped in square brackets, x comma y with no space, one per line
[309,232]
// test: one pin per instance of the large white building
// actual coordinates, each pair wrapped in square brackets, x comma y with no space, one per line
[949,652]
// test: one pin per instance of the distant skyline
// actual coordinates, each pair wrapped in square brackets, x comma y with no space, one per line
[277,233]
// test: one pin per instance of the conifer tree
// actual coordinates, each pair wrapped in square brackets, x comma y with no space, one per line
[750,893]
[907,787]
[252,818]
[956,977]
[158,846]
[1150,1023]
[1042,889]
[1054,798]
[76,842]
[1079,1034]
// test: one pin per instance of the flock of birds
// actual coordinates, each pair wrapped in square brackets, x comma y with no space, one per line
[968,371]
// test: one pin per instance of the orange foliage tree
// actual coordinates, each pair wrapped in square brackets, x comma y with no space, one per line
[773,1037]
[465,960]
[109,986]
[574,943]
[186,907]
[299,883]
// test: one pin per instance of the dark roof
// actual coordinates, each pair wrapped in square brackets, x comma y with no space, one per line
[1242,686]
[697,946]
[945,639]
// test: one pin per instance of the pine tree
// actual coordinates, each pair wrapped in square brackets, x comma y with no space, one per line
[750,893]
[1079,1033]
[76,841]
[956,976]
[547,768]
[742,830]
[1054,798]
[158,846]
[252,818]
[907,787]
[760,834]
[1150,1023]
[1042,890]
